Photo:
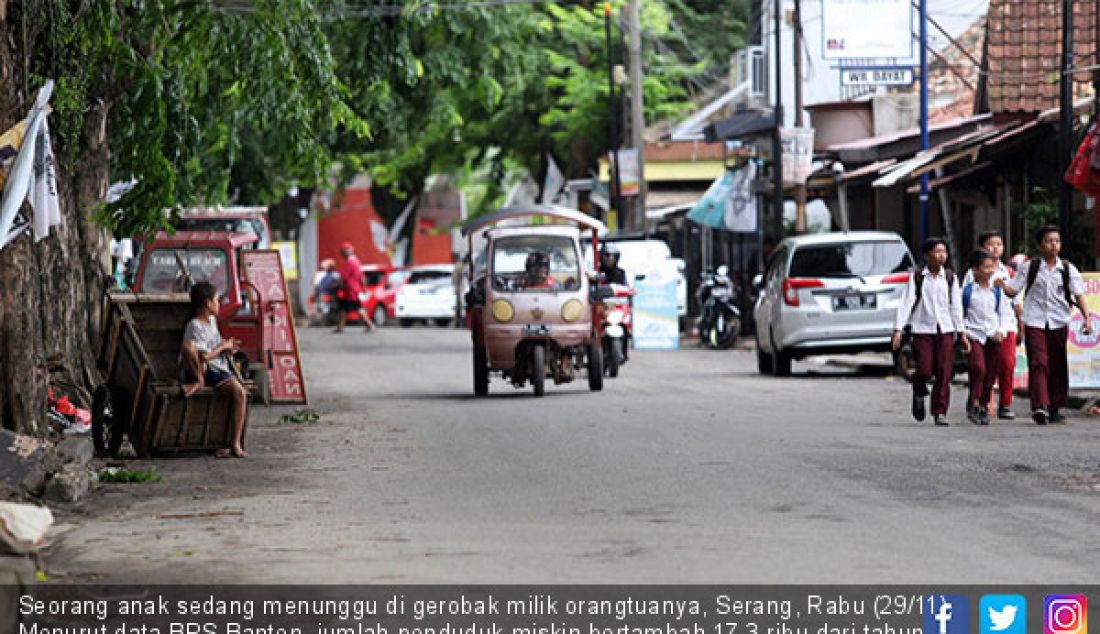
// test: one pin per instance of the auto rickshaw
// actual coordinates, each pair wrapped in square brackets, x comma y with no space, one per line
[531,306]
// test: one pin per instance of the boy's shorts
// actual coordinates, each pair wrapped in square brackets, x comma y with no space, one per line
[211,377]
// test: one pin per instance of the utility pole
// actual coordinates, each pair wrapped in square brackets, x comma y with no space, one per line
[637,115]
[1065,133]
[800,188]
[777,138]
[613,192]
[924,115]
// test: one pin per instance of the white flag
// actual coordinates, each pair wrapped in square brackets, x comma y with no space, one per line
[18,186]
[42,194]
[553,183]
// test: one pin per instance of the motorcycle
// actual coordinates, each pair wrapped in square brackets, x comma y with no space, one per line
[720,323]
[617,328]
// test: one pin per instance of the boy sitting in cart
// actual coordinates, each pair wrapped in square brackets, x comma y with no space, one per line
[206,361]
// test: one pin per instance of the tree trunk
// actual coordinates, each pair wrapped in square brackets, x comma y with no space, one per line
[51,293]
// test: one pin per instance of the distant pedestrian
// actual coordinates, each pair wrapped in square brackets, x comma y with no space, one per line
[932,306]
[352,274]
[987,314]
[992,242]
[1051,286]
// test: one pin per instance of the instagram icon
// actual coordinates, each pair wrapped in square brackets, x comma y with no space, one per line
[1065,614]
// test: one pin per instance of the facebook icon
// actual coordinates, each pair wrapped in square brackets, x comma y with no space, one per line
[946,614]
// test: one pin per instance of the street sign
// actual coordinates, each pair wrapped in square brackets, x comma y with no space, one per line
[876,76]
[264,270]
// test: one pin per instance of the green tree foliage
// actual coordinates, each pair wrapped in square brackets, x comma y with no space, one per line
[237,99]
[206,102]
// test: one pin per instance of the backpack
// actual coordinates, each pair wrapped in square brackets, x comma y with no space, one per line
[918,281]
[1033,273]
[968,290]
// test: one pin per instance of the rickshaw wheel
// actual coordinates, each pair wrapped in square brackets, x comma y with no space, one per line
[612,360]
[595,366]
[538,369]
[109,410]
[481,371]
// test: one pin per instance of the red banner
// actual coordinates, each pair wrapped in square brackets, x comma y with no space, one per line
[264,270]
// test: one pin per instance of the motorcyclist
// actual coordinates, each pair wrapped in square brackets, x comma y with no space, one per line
[537,272]
[609,265]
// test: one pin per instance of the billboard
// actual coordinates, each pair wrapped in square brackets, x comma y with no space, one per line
[863,29]
[1083,351]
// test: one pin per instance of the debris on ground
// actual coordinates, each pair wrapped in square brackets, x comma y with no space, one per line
[29,467]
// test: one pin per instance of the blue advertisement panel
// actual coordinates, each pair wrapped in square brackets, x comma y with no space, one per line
[656,320]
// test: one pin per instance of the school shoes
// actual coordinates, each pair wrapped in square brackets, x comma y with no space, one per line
[1056,417]
[973,414]
[1040,415]
[940,420]
[983,417]
[918,408]
[1006,413]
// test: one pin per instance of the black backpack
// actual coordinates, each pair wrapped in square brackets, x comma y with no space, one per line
[1033,273]
[919,282]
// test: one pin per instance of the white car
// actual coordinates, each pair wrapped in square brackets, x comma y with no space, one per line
[427,295]
[829,293]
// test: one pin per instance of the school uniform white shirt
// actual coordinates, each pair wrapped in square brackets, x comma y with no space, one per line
[1045,303]
[940,309]
[1002,273]
[984,318]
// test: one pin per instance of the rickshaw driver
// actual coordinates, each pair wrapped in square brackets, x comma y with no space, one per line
[537,274]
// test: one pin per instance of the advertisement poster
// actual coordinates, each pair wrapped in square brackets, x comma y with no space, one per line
[656,320]
[629,173]
[1084,352]
[862,29]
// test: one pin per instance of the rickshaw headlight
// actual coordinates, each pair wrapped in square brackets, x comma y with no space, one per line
[572,310]
[503,311]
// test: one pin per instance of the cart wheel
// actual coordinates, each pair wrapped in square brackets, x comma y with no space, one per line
[481,371]
[595,366]
[538,369]
[110,409]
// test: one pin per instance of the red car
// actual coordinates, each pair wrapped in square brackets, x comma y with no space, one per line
[380,285]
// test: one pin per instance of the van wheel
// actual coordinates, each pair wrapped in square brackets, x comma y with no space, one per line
[763,361]
[538,369]
[595,366]
[481,371]
[781,361]
[379,316]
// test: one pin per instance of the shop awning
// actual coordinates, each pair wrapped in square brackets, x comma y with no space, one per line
[741,125]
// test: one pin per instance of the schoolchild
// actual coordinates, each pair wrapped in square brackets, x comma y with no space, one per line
[987,314]
[992,242]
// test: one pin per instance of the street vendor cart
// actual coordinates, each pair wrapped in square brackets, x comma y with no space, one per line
[142,394]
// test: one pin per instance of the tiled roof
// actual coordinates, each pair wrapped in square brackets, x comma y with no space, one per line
[1023,53]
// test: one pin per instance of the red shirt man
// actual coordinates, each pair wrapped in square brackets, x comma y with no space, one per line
[352,273]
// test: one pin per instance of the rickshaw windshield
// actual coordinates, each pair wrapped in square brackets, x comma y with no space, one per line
[163,275]
[535,263]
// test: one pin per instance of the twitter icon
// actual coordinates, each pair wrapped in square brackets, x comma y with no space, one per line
[1002,614]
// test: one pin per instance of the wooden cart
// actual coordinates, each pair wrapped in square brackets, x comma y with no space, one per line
[142,395]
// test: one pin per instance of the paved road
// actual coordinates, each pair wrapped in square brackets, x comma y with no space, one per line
[687,468]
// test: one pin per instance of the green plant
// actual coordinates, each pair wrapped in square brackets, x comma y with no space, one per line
[124,475]
[301,416]
[1043,210]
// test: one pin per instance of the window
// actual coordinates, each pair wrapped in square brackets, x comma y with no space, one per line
[163,275]
[852,259]
[427,277]
[512,254]
[373,278]
[231,225]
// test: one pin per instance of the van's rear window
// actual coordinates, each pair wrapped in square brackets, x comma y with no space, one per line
[850,259]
